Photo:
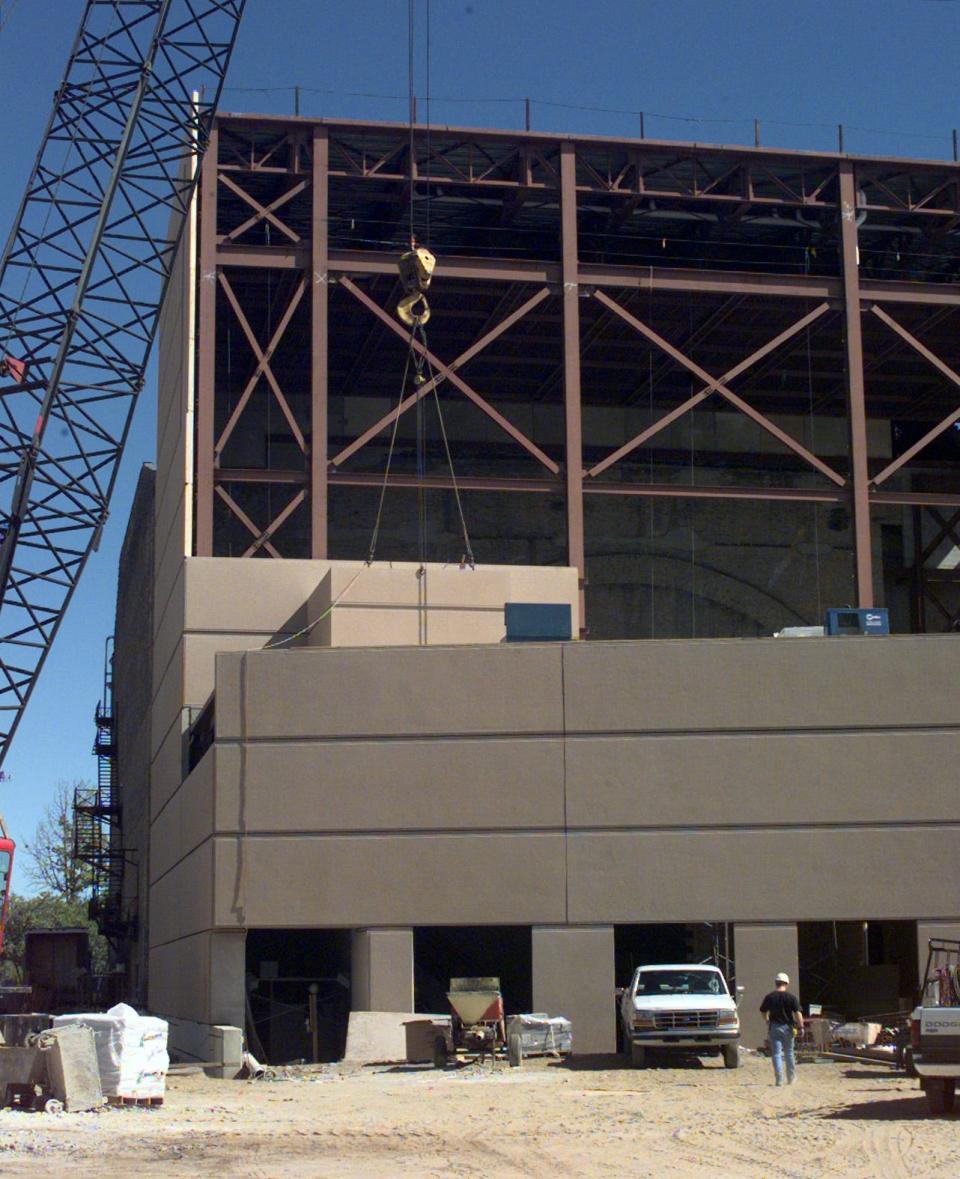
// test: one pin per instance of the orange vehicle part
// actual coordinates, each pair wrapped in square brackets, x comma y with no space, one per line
[7,847]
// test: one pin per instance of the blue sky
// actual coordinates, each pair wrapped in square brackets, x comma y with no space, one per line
[886,69]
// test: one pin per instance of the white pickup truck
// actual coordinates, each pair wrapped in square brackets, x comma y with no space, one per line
[680,1008]
[935,1027]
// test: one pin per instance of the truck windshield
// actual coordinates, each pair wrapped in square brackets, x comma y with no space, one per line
[680,982]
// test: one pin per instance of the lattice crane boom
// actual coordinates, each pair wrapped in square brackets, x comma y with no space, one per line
[82,280]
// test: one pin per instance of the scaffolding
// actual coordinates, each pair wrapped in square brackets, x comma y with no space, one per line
[98,840]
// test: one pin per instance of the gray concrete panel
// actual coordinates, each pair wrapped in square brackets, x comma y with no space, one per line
[404,691]
[229,676]
[382,785]
[381,974]
[762,951]
[762,875]
[573,975]
[181,902]
[179,977]
[225,594]
[703,779]
[166,768]
[186,820]
[715,684]
[309,881]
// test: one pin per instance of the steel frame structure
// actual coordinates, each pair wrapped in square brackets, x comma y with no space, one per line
[82,279]
[276,194]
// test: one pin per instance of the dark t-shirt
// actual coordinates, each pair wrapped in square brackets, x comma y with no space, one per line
[781,1005]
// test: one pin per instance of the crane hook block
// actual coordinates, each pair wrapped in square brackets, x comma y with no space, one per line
[406,309]
[416,268]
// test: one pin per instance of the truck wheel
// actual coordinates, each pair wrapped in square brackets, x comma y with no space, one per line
[440,1052]
[940,1095]
[638,1056]
[731,1056]
[515,1050]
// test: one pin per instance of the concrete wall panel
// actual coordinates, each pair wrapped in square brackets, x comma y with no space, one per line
[166,769]
[716,684]
[732,778]
[762,875]
[384,785]
[312,881]
[186,821]
[181,902]
[404,691]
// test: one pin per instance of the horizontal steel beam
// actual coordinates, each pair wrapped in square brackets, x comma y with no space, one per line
[638,278]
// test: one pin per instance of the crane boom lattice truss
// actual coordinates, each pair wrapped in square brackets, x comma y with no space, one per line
[82,279]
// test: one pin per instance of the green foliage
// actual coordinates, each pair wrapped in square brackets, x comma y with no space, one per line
[45,912]
[55,870]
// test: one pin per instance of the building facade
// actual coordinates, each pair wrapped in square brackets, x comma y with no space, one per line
[698,394]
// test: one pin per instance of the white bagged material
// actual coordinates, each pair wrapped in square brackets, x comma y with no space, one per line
[542,1035]
[131,1050]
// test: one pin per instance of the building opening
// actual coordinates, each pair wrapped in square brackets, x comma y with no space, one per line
[858,968]
[298,994]
[639,945]
[444,952]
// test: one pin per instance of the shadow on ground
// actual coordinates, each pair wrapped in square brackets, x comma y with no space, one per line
[607,1061]
[887,1109]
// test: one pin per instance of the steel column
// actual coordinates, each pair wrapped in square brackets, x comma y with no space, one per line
[856,401]
[206,347]
[571,367]
[319,349]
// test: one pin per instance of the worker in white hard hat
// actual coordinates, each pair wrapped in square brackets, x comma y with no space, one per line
[784,1022]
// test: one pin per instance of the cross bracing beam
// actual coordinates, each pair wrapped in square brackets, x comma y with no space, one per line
[82,279]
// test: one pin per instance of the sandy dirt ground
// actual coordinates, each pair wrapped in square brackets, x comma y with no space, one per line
[580,1118]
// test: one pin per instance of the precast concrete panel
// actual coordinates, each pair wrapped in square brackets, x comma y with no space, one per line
[382,880]
[403,692]
[762,874]
[450,784]
[704,779]
[711,685]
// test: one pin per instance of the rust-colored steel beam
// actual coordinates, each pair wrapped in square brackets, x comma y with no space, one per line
[245,520]
[446,482]
[702,394]
[716,384]
[637,278]
[206,348]
[262,212]
[709,491]
[447,373]
[428,386]
[856,399]
[319,336]
[572,410]
[263,358]
[916,499]
[941,367]
[264,537]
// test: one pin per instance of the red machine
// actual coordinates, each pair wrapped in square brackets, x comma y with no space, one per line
[6,864]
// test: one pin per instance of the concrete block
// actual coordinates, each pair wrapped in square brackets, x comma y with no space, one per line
[376,1037]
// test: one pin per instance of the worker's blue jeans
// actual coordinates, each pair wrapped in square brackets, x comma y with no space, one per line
[781,1044]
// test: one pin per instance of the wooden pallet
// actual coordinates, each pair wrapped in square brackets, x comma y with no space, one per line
[143,1101]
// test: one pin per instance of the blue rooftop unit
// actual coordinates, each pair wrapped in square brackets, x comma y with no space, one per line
[846,620]
[538,622]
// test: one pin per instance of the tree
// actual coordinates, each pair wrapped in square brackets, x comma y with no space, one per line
[45,912]
[55,870]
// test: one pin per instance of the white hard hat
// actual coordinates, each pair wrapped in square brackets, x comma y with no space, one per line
[782,977]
